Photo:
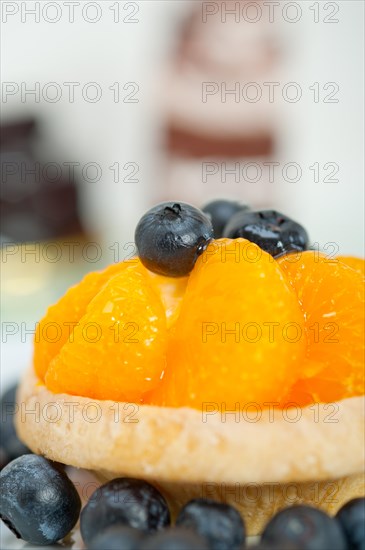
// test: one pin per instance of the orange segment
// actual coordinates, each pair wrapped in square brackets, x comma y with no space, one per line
[55,328]
[332,298]
[118,348]
[239,337]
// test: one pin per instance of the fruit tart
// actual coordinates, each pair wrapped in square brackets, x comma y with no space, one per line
[225,363]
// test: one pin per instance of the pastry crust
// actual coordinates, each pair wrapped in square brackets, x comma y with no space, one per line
[178,445]
[186,452]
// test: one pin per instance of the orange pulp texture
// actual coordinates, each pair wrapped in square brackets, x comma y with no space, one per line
[331,295]
[106,338]
[239,337]
[241,328]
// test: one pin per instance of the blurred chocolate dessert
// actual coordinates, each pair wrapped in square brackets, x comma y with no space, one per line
[37,201]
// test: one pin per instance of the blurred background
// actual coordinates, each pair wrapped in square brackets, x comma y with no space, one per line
[110,107]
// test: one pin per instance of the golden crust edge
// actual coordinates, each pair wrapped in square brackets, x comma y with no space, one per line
[176,445]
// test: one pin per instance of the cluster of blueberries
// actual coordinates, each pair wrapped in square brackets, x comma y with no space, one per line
[40,504]
[171,236]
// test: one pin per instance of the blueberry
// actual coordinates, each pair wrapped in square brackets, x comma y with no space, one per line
[220,212]
[124,501]
[11,447]
[118,537]
[352,519]
[219,523]
[38,502]
[273,232]
[171,236]
[307,527]
[175,538]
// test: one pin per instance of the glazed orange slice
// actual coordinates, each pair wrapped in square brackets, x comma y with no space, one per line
[332,297]
[56,327]
[118,348]
[239,337]
[106,337]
